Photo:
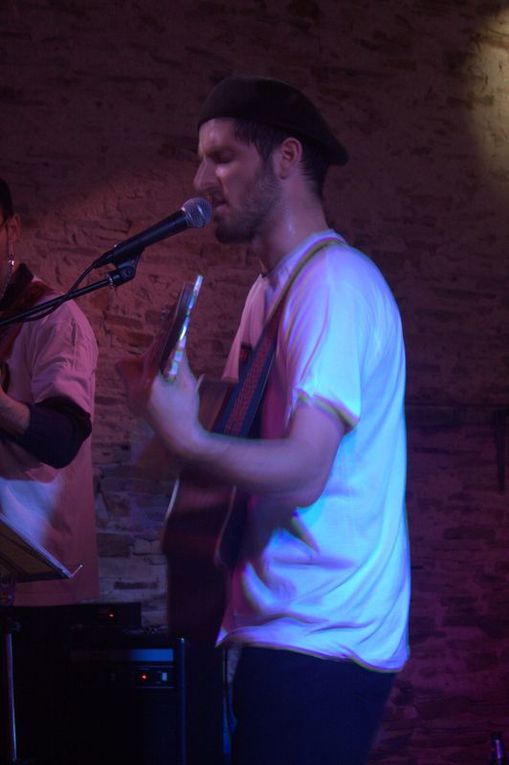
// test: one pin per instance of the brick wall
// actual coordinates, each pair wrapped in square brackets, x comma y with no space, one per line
[97,140]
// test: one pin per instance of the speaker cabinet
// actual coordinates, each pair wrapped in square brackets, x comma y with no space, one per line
[147,701]
[91,686]
[123,707]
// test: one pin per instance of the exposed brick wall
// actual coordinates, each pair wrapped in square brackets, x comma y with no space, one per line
[97,139]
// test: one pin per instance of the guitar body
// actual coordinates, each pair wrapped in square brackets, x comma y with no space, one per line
[204,519]
[197,550]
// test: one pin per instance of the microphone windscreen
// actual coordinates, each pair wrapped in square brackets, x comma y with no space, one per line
[198,212]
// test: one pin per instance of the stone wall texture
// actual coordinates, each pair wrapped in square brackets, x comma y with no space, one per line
[97,140]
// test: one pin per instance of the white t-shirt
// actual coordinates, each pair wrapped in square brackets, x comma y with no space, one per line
[331,579]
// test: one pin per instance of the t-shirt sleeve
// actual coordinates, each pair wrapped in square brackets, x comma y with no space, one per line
[63,353]
[325,331]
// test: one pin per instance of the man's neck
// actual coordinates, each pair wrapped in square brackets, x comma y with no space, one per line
[287,229]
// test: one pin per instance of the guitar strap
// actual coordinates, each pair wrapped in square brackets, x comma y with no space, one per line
[238,414]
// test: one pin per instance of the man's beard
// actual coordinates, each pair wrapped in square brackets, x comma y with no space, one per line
[249,220]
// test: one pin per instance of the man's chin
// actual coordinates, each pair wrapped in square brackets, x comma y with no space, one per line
[229,235]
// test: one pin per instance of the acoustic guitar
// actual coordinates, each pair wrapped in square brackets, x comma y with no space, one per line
[199,533]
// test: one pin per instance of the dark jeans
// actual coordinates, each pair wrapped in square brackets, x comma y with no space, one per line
[296,709]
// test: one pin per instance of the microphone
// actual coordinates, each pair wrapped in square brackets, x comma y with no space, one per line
[195,213]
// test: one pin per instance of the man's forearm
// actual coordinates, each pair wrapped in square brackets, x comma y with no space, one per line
[52,430]
[295,467]
[275,467]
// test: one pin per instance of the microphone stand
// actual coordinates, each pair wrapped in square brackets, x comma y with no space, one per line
[125,271]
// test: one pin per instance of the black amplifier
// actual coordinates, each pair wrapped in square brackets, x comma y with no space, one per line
[93,686]
[140,699]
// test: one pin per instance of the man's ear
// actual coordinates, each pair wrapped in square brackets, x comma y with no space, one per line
[287,157]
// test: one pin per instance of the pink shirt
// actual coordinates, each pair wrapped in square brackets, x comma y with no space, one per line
[54,356]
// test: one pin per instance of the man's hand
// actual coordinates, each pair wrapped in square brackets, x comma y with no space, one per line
[171,408]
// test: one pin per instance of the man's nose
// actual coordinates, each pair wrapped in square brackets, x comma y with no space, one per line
[204,178]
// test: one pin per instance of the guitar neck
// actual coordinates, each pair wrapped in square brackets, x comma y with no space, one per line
[173,341]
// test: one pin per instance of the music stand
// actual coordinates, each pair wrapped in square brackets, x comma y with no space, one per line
[21,560]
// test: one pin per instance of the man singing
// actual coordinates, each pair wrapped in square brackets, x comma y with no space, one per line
[320,592]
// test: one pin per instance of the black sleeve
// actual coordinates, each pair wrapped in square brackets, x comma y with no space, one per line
[57,428]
